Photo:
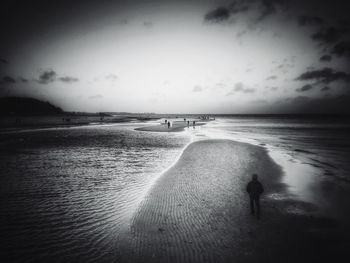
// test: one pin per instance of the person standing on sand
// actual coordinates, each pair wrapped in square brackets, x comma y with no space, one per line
[168,124]
[255,189]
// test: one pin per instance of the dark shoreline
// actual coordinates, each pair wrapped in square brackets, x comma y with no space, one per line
[17,123]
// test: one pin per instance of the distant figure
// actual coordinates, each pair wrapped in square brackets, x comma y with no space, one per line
[184,119]
[188,123]
[166,121]
[194,123]
[168,124]
[255,189]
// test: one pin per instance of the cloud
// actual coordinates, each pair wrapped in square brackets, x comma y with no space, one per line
[3,61]
[329,35]
[197,88]
[239,7]
[305,88]
[271,78]
[218,15]
[306,20]
[47,76]
[264,8]
[342,48]
[325,88]
[325,58]
[68,79]
[111,77]
[268,7]
[97,96]
[325,75]
[7,80]
[239,87]
[273,88]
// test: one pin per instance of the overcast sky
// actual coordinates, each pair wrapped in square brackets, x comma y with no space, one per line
[253,56]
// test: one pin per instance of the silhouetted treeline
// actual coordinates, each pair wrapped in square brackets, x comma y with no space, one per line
[26,106]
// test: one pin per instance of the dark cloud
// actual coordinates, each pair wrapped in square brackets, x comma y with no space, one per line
[325,88]
[342,49]
[305,88]
[218,15]
[3,61]
[239,87]
[310,20]
[268,7]
[239,6]
[325,58]
[326,75]
[329,35]
[264,8]
[68,79]
[7,80]
[271,78]
[197,88]
[47,76]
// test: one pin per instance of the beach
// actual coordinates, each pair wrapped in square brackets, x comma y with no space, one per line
[113,193]
[198,211]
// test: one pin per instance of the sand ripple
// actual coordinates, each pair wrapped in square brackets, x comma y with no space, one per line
[196,211]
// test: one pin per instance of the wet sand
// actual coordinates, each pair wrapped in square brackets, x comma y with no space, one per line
[175,127]
[198,211]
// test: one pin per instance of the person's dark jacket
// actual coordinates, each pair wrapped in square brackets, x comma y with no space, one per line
[255,188]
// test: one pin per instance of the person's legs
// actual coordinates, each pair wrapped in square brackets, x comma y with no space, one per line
[252,205]
[257,203]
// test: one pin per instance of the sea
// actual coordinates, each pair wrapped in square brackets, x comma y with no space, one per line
[67,193]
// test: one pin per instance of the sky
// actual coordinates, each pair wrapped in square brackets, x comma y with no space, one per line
[199,56]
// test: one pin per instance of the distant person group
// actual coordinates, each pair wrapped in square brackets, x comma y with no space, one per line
[168,123]
[206,117]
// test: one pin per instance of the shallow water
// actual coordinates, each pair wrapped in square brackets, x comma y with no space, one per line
[313,153]
[68,193]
